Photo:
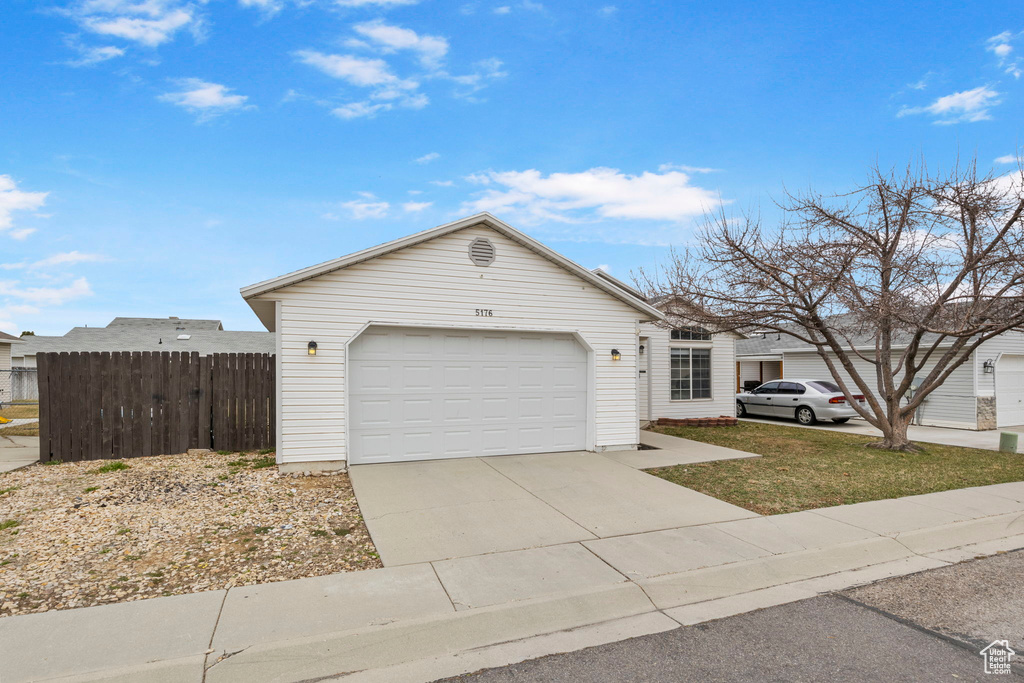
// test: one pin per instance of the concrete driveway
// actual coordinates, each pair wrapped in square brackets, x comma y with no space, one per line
[443,509]
[18,451]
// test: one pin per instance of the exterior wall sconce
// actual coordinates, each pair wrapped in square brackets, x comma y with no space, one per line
[988,367]
[616,355]
[641,349]
[311,348]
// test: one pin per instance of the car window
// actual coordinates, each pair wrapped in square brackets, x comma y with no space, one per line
[825,387]
[791,388]
[769,388]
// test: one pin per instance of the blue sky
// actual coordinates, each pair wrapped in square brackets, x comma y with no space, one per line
[159,154]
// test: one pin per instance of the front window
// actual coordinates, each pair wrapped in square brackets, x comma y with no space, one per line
[691,333]
[691,374]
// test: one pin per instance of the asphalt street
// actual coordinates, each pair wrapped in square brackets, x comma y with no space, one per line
[924,627]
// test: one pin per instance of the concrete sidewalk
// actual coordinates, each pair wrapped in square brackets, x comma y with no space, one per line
[424,621]
[947,436]
[18,451]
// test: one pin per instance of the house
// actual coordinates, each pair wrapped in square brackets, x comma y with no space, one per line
[6,341]
[684,370]
[986,392]
[146,334]
[464,340]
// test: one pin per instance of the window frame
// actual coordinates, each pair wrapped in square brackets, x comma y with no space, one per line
[692,332]
[690,377]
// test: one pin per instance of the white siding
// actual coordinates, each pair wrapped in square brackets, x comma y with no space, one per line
[723,376]
[1008,342]
[435,283]
[23,361]
[759,371]
[5,356]
[951,405]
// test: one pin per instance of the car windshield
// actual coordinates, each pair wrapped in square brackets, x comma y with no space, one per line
[825,387]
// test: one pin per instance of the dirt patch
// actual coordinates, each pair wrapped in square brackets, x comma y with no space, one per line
[72,536]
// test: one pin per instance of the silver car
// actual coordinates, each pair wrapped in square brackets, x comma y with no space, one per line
[806,400]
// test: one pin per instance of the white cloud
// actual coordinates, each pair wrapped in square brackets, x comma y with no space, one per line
[608,10]
[91,56]
[61,259]
[414,207]
[484,71]
[504,9]
[148,22]
[687,169]
[1008,159]
[46,296]
[368,207]
[1000,45]
[356,110]
[442,183]
[430,50]
[205,99]
[597,193]
[12,199]
[378,3]
[427,158]
[265,6]
[966,106]
[356,70]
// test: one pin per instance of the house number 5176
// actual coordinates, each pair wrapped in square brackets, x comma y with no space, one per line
[487,312]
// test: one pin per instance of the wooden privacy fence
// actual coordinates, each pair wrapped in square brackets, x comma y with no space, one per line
[124,405]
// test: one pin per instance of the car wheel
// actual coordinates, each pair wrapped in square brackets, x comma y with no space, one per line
[805,416]
[840,420]
[741,410]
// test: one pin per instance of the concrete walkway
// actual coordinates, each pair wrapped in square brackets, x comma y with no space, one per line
[987,440]
[444,509]
[18,451]
[423,621]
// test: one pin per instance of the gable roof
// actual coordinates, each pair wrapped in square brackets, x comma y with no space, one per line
[127,338]
[8,338]
[484,219]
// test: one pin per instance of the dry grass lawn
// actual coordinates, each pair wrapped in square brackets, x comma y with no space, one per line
[801,469]
[89,533]
[19,411]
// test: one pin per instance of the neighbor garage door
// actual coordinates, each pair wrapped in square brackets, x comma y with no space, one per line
[1010,391]
[418,394]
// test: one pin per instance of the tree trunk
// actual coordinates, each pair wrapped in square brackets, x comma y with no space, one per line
[894,433]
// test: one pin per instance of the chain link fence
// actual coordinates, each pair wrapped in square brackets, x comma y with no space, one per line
[19,386]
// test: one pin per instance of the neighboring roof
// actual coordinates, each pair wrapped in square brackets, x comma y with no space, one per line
[485,219]
[765,346]
[601,272]
[8,338]
[171,323]
[85,339]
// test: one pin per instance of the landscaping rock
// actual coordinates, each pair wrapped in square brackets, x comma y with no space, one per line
[71,536]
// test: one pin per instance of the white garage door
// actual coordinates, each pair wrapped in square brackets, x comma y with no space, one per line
[1010,391]
[419,394]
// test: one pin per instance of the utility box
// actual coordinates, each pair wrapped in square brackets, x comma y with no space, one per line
[1008,442]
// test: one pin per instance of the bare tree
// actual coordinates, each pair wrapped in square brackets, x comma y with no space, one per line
[895,283]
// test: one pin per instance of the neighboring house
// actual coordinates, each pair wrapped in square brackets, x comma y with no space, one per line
[145,334]
[684,370]
[6,341]
[468,339]
[986,392]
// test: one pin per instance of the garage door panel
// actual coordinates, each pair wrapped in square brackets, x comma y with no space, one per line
[481,393]
[1010,391]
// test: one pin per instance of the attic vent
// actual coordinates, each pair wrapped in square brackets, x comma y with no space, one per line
[481,251]
[184,337]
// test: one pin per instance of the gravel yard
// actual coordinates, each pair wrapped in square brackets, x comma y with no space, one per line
[90,533]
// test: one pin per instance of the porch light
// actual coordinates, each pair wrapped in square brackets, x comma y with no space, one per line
[311,348]
[641,349]
[616,355]
[988,366]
